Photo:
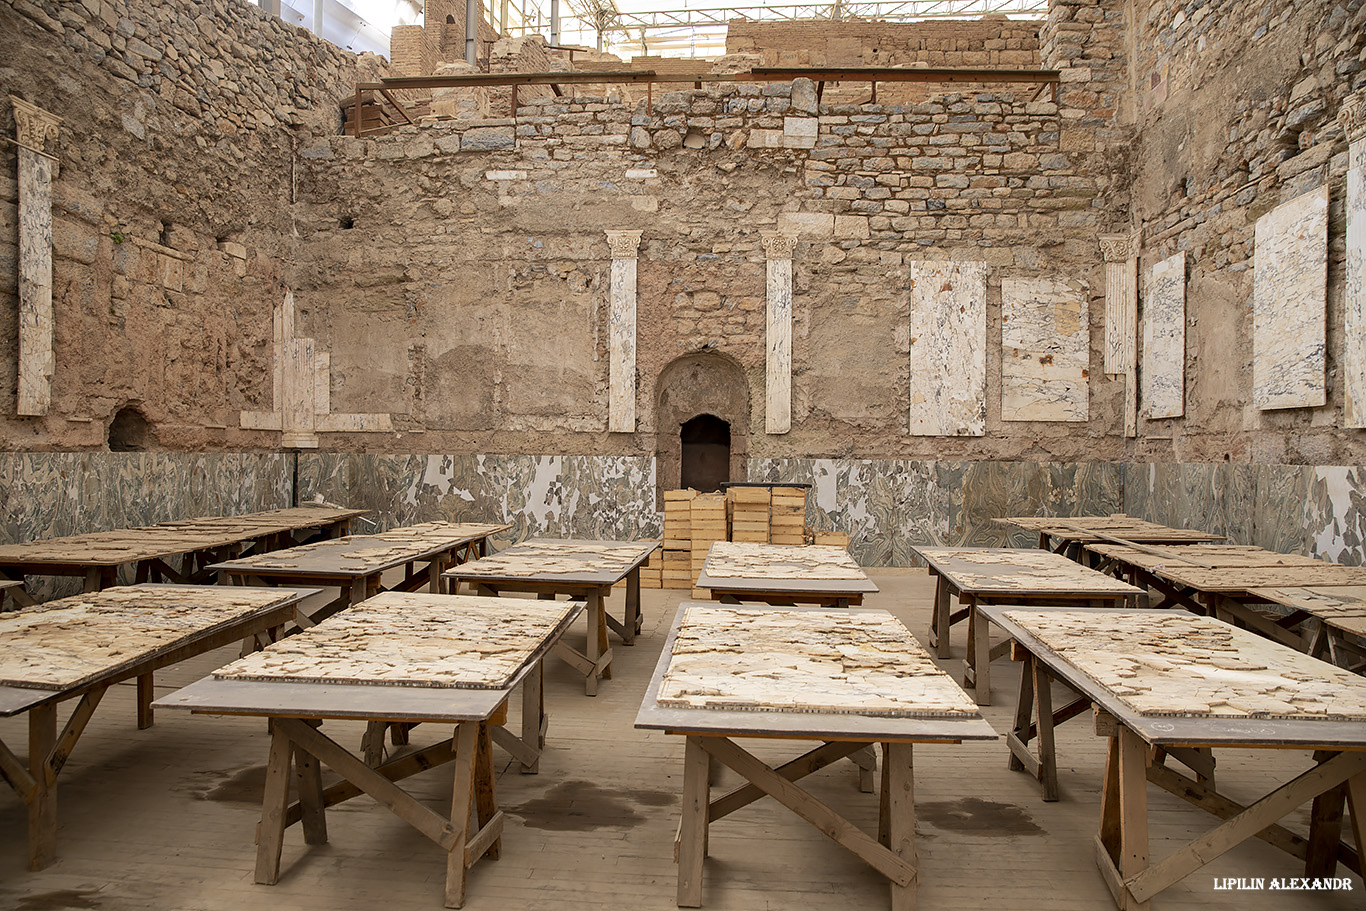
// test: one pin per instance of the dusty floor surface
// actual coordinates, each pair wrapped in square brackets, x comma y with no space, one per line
[164,818]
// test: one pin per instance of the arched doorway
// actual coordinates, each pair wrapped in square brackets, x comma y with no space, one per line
[705,453]
[708,394]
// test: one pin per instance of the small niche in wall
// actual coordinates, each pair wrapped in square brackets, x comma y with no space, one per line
[347,222]
[164,233]
[130,431]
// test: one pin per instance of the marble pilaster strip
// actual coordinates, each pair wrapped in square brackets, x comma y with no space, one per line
[1289,304]
[778,247]
[621,410]
[1164,338]
[33,127]
[948,340]
[1352,116]
[1121,301]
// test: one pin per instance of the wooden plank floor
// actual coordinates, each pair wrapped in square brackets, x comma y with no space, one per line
[164,818]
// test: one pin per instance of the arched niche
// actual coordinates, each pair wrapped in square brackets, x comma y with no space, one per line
[703,383]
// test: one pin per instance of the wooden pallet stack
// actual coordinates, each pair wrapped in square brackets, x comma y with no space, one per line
[787,516]
[652,572]
[748,514]
[831,539]
[708,525]
[676,559]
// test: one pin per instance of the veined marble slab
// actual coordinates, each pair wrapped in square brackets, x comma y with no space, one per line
[1045,350]
[1289,304]
[1164,339]
[948,349]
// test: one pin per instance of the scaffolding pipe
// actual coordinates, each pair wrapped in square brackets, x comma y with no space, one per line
[555,23]
[472,32]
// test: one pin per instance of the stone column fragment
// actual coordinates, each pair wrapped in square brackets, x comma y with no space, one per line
[1352,116]
[621,414]
[34,127]
[778,248]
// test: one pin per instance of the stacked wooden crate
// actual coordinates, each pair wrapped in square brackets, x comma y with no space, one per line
[787,516]
[708,525]
[677,557]
[831,539]
[748,514]
[652,573]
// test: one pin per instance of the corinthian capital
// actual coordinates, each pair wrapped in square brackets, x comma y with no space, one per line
[778,244]
[624,244]
[33,125]
[1118,248]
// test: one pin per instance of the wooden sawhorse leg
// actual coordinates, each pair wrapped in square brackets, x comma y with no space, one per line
[1036,701]
[469,751]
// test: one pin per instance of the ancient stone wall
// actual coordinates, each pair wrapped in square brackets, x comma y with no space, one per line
[1237,104]
[481,321]
[171,222]
[991,41]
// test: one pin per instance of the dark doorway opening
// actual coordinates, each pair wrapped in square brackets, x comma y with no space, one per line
[706,452]
[130,431]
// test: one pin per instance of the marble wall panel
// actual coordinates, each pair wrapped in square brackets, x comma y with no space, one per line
[1335,514]
[1045,350]
[546,496]
[948,303]
[1289,303]
[1164,339]
[1278,514]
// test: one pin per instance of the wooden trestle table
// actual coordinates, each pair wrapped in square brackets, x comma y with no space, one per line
[784,574]
[1340,612]
[78,647]
[1228,580]
[96,557]
[1157,681]
[992,575]
[361,665]
[823,707]
[1067,535]
[357,563]
[578,569]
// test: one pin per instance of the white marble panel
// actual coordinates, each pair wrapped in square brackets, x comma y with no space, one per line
[948,349]
[1354,316]
[35,284]
[1045,350]
[1164,338]
[1289,304]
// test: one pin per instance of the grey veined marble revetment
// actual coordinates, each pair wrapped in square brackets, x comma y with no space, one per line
[1045,350]
[948,349]
[1164,339]
[1289,304]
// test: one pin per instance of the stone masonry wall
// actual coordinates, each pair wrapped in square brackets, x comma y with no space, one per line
[171,220]
[1237,103]
[469,296]
[991,41]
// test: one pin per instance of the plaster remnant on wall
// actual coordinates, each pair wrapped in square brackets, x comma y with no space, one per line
[1045,350]
[622,332]
[778,246]
[33,127]
[1352,116]
[1289,304]
[302,395]
[1164,338]
[505,175]
[948,342]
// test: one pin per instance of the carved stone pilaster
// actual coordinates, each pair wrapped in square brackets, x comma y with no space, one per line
[621,324]
[34,127]
[778,247]
[1117,248]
